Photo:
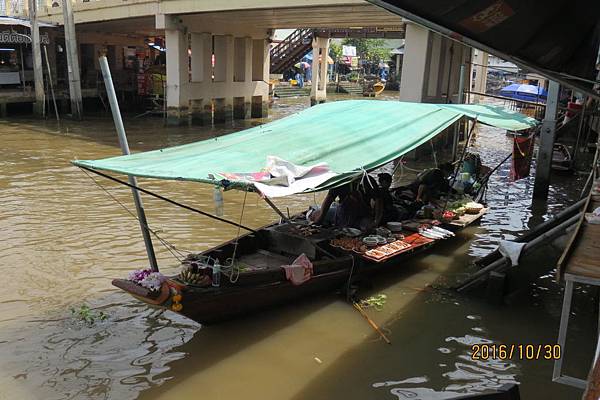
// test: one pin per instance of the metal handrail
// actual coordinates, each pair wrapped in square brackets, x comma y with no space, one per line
[291,41]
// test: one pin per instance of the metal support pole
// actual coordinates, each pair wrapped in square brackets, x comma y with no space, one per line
[579,134]
[544,157]
[562,331]
[38,72]
[72,60]
[461,84]
[22,68]
[139,206]
[461,89]
[557,375]
[51,84]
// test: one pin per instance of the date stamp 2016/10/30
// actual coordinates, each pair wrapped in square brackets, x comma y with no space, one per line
[487,351]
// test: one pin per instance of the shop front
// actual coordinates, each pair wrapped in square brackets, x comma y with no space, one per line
[16,57]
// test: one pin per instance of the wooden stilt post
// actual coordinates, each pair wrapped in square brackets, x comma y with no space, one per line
[38,72]
[72,60]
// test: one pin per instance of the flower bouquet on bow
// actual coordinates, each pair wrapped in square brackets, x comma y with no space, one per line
[146,278]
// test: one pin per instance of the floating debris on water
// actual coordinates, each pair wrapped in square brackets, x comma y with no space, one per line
[377,302]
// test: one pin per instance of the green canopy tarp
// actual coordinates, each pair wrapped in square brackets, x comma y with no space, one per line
[349,136]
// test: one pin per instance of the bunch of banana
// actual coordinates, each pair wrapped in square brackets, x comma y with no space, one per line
[187,276]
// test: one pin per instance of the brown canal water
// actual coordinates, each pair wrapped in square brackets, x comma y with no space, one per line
[62,240]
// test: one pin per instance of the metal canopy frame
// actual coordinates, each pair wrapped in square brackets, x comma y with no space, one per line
[557,375]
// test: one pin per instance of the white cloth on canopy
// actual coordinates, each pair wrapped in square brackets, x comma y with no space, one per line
[289,178]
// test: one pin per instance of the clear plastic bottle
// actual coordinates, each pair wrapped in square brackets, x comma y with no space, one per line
[216,274]
[218,197]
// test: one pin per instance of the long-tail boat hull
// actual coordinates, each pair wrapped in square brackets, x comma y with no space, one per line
[266,286]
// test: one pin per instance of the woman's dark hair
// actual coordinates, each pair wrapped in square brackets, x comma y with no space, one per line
[384,176]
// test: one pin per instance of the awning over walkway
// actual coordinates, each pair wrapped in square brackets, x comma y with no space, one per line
[558,38]
[348,136]
[12,21]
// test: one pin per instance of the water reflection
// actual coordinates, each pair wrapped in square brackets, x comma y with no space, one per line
[62,240]
[65,358]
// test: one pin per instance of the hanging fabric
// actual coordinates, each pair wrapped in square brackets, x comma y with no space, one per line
[521,160]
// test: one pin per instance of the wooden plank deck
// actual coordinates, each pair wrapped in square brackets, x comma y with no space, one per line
[467,219]
[584,260]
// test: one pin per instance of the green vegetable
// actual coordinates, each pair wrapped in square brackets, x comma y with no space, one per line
[377,302]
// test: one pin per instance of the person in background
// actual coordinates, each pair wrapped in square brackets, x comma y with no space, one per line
[430,184]
[433,182]
[300,79]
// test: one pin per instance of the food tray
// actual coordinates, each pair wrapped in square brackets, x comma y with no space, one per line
[410,242]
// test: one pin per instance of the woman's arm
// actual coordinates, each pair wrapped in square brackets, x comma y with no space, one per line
[319,215]
[420,192]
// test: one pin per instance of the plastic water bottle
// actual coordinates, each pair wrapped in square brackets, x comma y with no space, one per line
[218,197]
[216,274]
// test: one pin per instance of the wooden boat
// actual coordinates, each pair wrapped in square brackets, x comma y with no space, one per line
[372,86]
[378,88]
[309,136]
[263,281]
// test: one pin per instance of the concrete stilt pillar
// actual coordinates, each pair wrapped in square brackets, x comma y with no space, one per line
[224,73]
[544,157]
[202,72]
[314,88]
[260,73]
[323,78]
[242,107]
[177,75]
[480,63]
[38,73]
[248,48]
[318,90]
[201,111]
[201,46]
[416,48]
[72,61]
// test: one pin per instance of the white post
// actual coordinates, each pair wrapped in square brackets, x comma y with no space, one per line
[324,54]
[51,84]
[139,205]
[315,72]
[318,92]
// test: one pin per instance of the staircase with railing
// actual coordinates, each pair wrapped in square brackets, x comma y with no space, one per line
[291,50]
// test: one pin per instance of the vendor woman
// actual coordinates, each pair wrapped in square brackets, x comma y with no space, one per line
[355,208]
[385,211]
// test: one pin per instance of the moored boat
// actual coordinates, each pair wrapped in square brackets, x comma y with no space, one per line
[320,148]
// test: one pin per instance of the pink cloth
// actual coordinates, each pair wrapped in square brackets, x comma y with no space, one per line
[300,271]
